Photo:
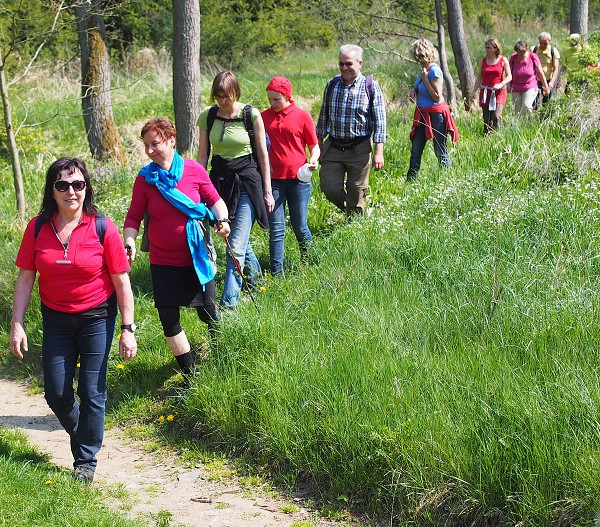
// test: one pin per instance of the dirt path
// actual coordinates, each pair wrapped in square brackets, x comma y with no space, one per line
[154,484]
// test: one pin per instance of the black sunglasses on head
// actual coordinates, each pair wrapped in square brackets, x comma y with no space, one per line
[62,186]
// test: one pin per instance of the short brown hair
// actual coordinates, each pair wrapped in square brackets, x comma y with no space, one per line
[521,45]
[163,127]
[226,82]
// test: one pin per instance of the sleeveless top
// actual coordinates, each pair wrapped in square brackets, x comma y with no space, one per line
[491,75]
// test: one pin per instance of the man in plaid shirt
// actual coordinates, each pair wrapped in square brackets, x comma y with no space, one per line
[353,113]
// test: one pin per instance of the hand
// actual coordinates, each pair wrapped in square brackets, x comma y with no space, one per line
[498,86]
[377,162]
[18,340]
[412,95]
[270,202]
[131,252]
[127,345]
[222,228]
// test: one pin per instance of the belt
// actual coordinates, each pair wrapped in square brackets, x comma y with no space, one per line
[348,144]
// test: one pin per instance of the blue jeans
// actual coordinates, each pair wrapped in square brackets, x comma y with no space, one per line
[239,239]
[297,194]
[69,339]
[438,126]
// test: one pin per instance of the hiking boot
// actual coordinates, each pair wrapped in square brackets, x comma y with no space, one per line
[83,474]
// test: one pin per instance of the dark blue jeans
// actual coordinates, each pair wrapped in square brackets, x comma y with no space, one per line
[296,194]
[70,339]
[438,126]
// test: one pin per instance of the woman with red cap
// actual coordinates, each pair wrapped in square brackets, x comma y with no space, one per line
[291,130]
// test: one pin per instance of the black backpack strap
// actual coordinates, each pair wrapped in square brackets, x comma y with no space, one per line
[38,225]
[210,121]
[247,118]
[101,227]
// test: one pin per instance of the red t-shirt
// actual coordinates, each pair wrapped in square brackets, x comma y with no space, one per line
[166,230]
[291,130]
[84,282]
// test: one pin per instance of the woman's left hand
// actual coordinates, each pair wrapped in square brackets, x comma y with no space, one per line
[270,201]
[127,345]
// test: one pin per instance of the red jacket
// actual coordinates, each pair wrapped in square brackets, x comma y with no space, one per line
[422,117]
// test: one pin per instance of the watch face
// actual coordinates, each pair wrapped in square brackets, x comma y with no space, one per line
[130,327]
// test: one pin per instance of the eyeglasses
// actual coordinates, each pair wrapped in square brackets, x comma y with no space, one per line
[347,64]
[223,96]
[62,186]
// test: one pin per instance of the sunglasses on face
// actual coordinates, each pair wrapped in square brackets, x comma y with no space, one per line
[347,64]
[62,186]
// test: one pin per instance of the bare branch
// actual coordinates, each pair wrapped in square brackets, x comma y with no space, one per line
[39,48]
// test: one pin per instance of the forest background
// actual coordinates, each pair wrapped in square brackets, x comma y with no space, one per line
[438,362]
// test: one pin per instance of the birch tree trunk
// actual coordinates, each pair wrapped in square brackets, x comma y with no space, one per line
[186,74]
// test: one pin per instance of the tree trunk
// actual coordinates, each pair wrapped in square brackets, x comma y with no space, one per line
[461,52]
[579,17]
[13,151]
[103,136]
[186,73]
[448,80]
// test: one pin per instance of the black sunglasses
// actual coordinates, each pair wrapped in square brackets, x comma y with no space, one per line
[347,64]
[62,186]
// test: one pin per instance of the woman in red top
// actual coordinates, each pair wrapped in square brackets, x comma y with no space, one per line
[81,281]
[177,279]
[494,76]
[291,131]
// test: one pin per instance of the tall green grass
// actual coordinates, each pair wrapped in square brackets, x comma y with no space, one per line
[436,364]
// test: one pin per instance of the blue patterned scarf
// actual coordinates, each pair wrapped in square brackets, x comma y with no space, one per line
[165,182]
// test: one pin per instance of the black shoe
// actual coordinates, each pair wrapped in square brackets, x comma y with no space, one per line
[83,474]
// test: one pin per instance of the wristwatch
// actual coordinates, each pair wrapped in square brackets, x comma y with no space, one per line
[129,327]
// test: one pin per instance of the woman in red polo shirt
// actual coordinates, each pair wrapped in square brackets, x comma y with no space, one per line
[291,131]
[82,279]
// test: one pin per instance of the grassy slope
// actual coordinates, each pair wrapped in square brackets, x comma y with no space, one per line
[439,360]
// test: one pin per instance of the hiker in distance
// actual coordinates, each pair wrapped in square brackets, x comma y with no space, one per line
[291,131]
[82,268]
[241,174]
[432,118]
[549,59]
[352,114]
[526,70]
[493,78]
[177,194]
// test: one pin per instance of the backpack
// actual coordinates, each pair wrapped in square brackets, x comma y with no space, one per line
[246,119]
[368,88]
[100,226]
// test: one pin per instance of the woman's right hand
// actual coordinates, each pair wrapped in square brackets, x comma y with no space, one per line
[18,340]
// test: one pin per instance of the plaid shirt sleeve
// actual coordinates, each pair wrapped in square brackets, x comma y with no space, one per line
[380,121]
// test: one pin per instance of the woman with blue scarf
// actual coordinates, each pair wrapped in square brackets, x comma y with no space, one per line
[178,195]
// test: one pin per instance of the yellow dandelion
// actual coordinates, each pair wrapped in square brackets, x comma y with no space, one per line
[121,366]
[263,288]
[119,336]
[161,419]
[48,482]
[79,364]
[170,417]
